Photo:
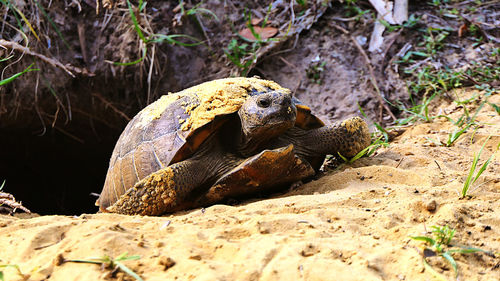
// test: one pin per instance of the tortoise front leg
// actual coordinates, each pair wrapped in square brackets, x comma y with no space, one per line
[263,172]
[347,138]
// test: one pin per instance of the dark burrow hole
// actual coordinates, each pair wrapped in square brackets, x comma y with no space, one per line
[54,173]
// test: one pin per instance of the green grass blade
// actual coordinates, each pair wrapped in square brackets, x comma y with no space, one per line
[483,167]
[424,238]
[343,158]
[3,183]
[128,271]
[53,24]
[456,134]
[27,22]
[125,257]
[134,21]
[469,250]
[7,3]
[160,38]
[90,260]
[196,10]
[144,51]
[7,58]
[13,77]
[15,266]
[467,182]
[452,262]
[496,107]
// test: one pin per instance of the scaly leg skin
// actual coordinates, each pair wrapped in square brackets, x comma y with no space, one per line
[7,199]
[160,191]
[268,169]
[164,190]
[347,138]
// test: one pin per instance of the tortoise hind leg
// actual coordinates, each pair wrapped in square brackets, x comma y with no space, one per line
[165,190]
[262,172]
[160,191]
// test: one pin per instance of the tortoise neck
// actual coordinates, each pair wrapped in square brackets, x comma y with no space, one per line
[248,145]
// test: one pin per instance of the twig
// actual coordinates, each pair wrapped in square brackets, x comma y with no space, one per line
[400,12]
[17,47]
[370,68]
[107,103]
[81,37]
[344,19]
[376,39]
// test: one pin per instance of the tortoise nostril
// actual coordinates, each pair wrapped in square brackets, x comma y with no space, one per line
[264,102]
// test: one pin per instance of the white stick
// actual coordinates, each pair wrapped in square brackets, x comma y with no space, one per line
[376,40]
[384,9]
[400,11]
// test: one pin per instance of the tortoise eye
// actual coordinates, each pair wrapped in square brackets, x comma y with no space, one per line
[264,102]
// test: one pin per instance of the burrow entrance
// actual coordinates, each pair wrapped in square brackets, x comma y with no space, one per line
[55,173]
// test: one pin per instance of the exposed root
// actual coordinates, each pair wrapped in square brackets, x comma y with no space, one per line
[53,62]
[370,69]
[8,202]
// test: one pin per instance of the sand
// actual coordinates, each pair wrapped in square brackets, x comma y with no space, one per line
[353,223]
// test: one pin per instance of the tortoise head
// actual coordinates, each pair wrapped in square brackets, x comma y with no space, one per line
[265,116]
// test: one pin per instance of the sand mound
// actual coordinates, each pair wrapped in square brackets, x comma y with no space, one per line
[351,224]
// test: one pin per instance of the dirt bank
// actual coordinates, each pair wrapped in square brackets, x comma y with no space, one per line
[351,224]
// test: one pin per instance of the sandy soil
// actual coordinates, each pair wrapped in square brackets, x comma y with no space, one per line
[351,224]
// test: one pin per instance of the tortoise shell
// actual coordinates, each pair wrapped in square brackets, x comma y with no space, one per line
[171,129]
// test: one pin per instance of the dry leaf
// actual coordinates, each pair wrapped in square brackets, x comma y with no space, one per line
[256,21]
[266,32]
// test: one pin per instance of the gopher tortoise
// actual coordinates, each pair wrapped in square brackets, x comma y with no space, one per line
[218,140]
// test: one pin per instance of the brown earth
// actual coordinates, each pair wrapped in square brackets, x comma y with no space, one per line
[354,223]
[60,130]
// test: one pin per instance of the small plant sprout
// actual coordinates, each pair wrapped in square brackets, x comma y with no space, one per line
[16,267]
[255,36]
[368,151]
[315,70]
[440,245]
[154,37]
[112,263]
[380,129]
[471,178]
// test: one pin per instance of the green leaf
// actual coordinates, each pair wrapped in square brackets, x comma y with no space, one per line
[13,77]
[160,38]
[452,262]
[144,51]
[468,250]
[134,21]
[53,25]
[425,239]
[7,58]
[496,107]
[456,134]
[128,271]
